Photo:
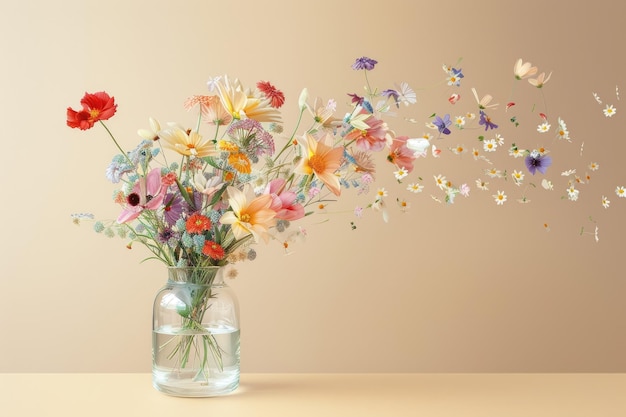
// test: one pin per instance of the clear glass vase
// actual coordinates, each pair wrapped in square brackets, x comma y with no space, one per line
[195,334]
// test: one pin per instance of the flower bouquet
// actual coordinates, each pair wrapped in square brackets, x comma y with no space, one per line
[200,197]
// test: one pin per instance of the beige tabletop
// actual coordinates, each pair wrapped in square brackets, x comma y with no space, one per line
[294,395]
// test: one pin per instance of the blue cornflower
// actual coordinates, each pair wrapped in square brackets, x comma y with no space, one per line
[364,63]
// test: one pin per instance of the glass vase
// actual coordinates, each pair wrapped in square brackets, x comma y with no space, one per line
[195,334]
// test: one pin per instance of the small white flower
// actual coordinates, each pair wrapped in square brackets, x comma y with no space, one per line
[401,173]
[459,121]
[482,185]
[500,198]
[494,173]
[440,180]
[415,188]
[543,128]
[381,193]
[572,193]
[518,177]
[594,166]
[490,145]
[609,110]
[605,202]
[621,192]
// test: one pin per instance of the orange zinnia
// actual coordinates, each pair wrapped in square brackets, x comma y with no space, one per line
[198,223]
[240,162]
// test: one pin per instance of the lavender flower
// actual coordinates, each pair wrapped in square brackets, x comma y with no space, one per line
[364,63]
[391,93]
[537,162]
[486,121]
[442,124]
[174,208]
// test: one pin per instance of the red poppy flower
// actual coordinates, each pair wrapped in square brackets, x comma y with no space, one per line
[276,97]
[95,107]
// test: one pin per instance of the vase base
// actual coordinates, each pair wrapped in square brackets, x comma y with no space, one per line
[185,387]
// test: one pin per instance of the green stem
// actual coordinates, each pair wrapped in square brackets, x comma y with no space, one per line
[115,142]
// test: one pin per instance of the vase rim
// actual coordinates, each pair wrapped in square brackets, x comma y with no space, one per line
[198,275]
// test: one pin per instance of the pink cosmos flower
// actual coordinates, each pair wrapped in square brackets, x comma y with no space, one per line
[148,193]
[284,201]
[370,138]
[400,154]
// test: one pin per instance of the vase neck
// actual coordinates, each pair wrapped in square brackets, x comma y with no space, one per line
[209,275]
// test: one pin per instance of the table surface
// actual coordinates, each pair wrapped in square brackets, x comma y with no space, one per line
[296,395]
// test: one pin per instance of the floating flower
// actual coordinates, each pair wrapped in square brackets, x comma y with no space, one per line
[523,69]
[609,110]
[442,124]
[485,120]
[500,197]
[536,161]
[540,80]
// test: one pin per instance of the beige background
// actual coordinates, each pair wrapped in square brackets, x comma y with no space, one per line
[465,288]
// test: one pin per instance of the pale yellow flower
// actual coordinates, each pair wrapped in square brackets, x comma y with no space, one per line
[242,104]
[523,69]
[540,80]
[188,144]
[249,218]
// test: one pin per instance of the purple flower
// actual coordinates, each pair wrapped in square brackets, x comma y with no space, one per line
[167,234]
[364,63]
[456,74]
[442,124]
[486,121]
[537,162]
[173,208]
[390,93]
